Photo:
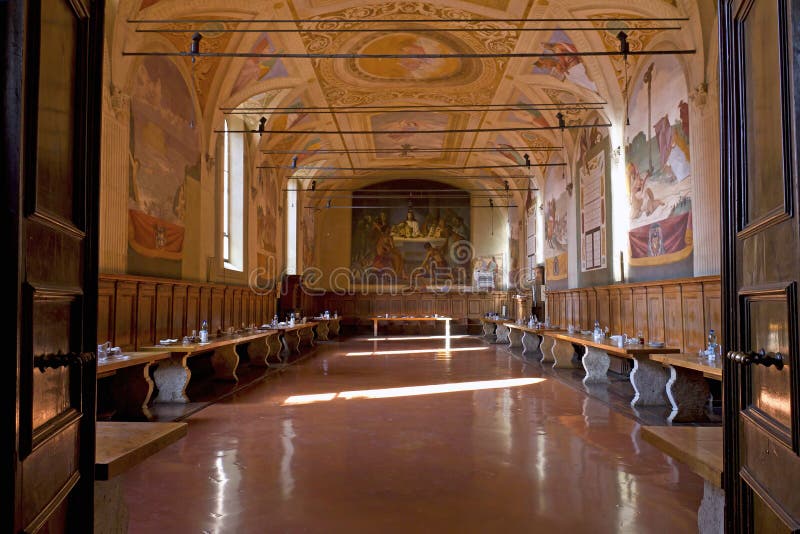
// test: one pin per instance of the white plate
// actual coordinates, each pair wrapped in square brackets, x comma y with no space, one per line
[657,344]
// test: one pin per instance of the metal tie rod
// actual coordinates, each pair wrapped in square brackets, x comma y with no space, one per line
[390,21]
[461,55]
[488,29]
[416,132]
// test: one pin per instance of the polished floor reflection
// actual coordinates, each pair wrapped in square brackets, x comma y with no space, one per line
[409,437]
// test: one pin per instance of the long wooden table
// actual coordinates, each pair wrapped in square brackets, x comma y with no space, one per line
[687,386]
[531,339]
[326,327]
[648,378]
[497,328]
[131,387]
[172,375]
[376,320]
[295,336]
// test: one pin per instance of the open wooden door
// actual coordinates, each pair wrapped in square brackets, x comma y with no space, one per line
[50,122]
[760,84]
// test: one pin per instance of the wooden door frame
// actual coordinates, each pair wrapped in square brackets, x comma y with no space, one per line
[15,85]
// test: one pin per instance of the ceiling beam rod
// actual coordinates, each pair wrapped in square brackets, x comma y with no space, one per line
[460,55]
[412,169]
[406,197]
[520,105]
[409,191]
[247,111]
[409,29]
[428,177]
[393,207]
[417,132]
[390,21]
[411,150]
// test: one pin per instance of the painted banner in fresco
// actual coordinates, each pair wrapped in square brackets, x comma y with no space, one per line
[593,213]
[556,208]
[164,153]
[668,240]
[427,242]
[659,167]
[153,237]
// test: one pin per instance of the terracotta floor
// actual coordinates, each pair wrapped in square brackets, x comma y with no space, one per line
[348,441]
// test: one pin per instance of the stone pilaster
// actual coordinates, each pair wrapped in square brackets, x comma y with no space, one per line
[705,153]
[114,176]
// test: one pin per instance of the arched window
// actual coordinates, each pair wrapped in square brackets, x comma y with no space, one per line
[233,198]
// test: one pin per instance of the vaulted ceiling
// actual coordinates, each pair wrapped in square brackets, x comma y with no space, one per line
[555,83]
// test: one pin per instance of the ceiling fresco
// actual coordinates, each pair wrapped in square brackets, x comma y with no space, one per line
[257,82]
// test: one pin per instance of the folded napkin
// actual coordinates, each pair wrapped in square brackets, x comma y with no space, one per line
[114,351]
[167,341]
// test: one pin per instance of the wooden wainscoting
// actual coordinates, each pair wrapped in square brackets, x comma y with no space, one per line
[134,311]
[462,306]
[679,312]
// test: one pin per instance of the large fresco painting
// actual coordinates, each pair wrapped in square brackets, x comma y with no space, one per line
[259,69]
[164,153]
[427,242]
[556,208]
[566,68]
[264,196]
[408,137]
[659,173]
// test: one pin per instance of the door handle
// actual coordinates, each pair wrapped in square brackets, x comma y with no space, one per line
[59,359]
[761,357]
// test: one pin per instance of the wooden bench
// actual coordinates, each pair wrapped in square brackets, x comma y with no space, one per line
[120,446]
[124,384]
[700,448]
[687,387]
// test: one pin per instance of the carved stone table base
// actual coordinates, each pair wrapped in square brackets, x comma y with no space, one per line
[488,329]
[306,336]
[171,377]
[334,327]
[649,381]
[502,332]
[595,362]
[323,330]
[562,355]
[514,338]
[711,514]
[225,361]
[530,343]
[291,341]
[688,393]
[131,394]
[547,346]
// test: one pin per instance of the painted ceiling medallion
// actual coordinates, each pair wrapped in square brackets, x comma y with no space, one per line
[409,69]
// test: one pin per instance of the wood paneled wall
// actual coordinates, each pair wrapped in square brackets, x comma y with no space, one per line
[133,311]
[677,312]
[457,305]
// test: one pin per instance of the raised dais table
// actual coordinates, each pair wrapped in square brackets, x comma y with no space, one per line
[648,378]
[376,320]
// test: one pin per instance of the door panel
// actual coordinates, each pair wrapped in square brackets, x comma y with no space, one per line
[761,251]
[50,159]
